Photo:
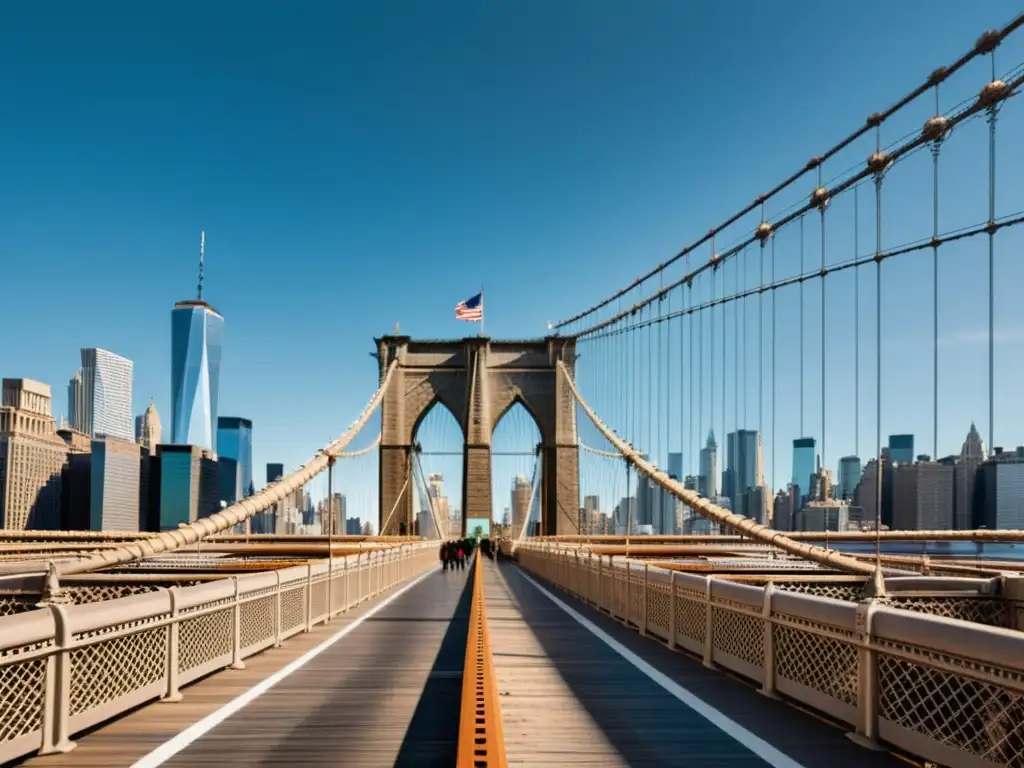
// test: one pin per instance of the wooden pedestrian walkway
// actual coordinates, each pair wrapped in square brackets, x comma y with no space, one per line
[569,698]
[382,686]
[386,694]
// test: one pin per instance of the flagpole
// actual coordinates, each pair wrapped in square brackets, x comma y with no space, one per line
[481,310]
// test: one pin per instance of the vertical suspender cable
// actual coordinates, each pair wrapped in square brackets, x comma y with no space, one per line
[879,175]
[993,113]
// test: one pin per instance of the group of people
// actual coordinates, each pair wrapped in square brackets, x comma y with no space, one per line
[454,554]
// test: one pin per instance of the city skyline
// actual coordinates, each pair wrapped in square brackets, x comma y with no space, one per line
[257,227]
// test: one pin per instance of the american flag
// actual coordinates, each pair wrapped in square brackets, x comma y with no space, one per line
[471,310]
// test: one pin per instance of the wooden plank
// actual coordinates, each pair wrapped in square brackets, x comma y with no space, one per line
[353,704]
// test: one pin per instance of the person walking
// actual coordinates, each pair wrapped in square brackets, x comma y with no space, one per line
[444,556]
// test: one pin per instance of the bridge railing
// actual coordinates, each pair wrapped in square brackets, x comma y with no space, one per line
[940,688]
[66,668]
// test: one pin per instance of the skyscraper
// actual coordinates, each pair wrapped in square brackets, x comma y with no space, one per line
[708,485]
[274,472]
[965,474]
[520,502]
[803,463]
[148,431]
[197,333]
[746,468]
[100,395]
[849,476]
[234,440]
[115,485]
[32,457]
[189,485]
[901,449]
[675,465]
[923,497]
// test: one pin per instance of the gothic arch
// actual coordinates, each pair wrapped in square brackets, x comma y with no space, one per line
[437,402]
[478,380]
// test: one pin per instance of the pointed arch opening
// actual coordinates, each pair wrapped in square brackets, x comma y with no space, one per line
[515,468]
[437,467]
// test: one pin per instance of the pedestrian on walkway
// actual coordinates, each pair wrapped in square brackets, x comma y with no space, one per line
[444,556]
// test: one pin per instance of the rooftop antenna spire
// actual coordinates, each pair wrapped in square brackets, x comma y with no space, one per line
[202,248]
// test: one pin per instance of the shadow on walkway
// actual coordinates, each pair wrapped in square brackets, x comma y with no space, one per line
[433,735]
[646,724]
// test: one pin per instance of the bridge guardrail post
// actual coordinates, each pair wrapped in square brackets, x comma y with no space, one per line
[359,577]
[591,592]
[236,621]
[309,597]
[330,584]
[672,608]
[57,693]
[576,586]
[768,657]
[345,585]
[600,581]
[709,626]
[172,694]
[628,613]
[277,609]
[866,734]
[646,601]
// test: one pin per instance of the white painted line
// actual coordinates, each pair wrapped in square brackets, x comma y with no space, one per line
[751,741]
[196,731]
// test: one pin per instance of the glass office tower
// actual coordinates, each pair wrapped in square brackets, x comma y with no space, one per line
[100,395]
[901,448]
[803,463]
[197,332]
[234,441]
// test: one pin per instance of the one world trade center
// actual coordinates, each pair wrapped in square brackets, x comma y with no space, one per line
[197,332]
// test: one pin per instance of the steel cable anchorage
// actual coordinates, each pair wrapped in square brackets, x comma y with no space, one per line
[705,508]
[237,513]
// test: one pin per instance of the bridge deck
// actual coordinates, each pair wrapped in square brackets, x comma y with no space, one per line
[575,688]
[387,693]
[569,698]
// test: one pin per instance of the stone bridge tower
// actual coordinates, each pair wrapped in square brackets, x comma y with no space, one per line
[478,380]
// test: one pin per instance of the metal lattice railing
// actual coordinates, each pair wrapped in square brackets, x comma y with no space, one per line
[945,689]
[65,668]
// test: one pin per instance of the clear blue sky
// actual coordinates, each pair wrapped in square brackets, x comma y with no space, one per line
[360,164]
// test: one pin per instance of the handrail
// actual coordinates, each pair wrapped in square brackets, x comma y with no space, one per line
[236,513]
[481,742]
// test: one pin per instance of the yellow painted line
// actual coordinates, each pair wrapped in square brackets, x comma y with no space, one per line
[481,742]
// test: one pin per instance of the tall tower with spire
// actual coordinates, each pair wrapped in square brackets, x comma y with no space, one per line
[974,446]
[197,332]
[709,482]
[965,474]
[148,431]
